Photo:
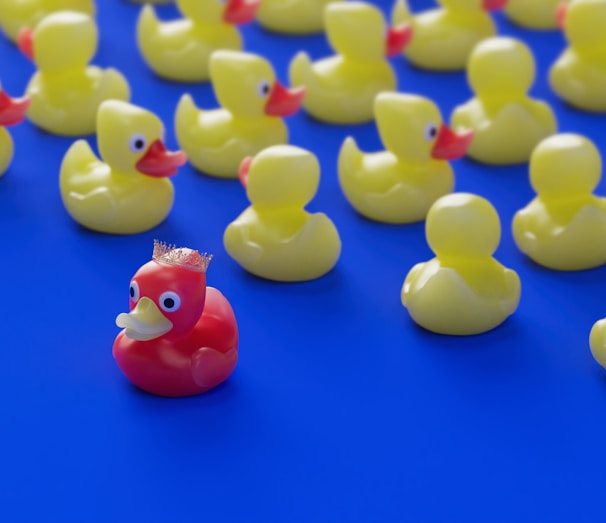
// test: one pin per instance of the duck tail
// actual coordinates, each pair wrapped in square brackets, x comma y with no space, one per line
[148,23]
[186,118]
[300,70]
[350,159]
[400,13]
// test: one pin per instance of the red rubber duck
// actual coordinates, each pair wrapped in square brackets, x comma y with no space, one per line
[180,337]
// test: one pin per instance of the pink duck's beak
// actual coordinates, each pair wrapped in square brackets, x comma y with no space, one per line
[159,162]
[239,12]
[25,42]
[244,170]
[560,14]
[450,145]
[397,39]
[493,5]
[12,110]
[283,101]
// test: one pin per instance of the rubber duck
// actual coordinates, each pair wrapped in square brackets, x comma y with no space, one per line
[66,92]
[579,74]
[445,36]
[508,124]
[463,290]
[253,102]
[128,191]
[180,337]
[276,238]
[180,50]
[564,227]
[399,185]
[16,14]
[341,89]
[293,16]
[538,14]
[12,112]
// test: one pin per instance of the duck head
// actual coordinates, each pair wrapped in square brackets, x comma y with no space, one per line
[130,140]
[246,85]
[584,24]
[411,128]
[12,110]
[235,12]
[358,30]
[474,5]
[280,176]
[167,294]
[461,225]
[61,41]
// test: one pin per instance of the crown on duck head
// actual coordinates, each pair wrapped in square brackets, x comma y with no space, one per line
[183,257]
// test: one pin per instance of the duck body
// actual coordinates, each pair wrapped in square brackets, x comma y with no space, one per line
[293,16]
[539,14]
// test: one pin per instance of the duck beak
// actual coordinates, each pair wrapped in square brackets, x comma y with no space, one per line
[493,5]
[560,14]
[25,42]
[283,101]
[238,12]
[159,162]
[244,170]
[397,39]
[450,145]
[145,322]
[12,110]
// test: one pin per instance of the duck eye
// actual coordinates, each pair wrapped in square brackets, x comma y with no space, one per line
[137,143]
[134,291]
[263,88]
[431,131]
[170,301]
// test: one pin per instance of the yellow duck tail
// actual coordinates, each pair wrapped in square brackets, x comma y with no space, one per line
[400,13]
[300,70]
[348,169]
[113,86]
[186,119]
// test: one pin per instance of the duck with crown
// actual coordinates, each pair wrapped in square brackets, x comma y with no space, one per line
[12,112]
[578,76]
[341,88]
[180,337]
[65,91]
[180,50]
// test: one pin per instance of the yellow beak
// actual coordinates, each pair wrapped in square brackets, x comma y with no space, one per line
[145,322]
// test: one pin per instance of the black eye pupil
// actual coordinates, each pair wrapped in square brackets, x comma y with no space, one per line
[432,132]
[139,144]
[265,89]
[169,303]
[132,292]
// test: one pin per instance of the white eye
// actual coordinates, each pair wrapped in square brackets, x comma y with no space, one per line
[431,131]
[170,301]
[263,88]
[134,291]
[137,143]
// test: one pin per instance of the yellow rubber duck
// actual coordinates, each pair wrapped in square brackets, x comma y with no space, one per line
[341,89]
[444,37]
[579,74]
[12,112]
[508,124]
[276,238]
[293,16]
[536,14]
[463,290]
[16,14]
[180,50]
[399,185]
[216,141]
[129,191]
[564,227]
[66,92]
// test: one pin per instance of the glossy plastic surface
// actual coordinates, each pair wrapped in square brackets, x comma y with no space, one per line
[508,123]
[276,238]
[293,16]
[180,49]
[253,102]
[12,112]
[538,14]
[341,89]
[400,184]
[127,191]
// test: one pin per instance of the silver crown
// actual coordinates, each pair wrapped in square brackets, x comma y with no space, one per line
[183,257]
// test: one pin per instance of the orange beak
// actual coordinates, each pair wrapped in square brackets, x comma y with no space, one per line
[12,110]
[243,170]
[25,42]
[239,12]
[450,145]
[560,14]
[493,5]
[397,39]
[159,162]
[283,101]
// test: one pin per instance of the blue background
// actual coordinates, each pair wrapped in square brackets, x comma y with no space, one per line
[340,409]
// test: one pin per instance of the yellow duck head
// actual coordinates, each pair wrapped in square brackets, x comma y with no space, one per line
[235,12]
[280,176]
[62,40]
[564,166]
[584,23]
[412,129]
[130,140]
[346,22]
[501,67]
[473,5]
[246,85]
[12,110]
[462,225]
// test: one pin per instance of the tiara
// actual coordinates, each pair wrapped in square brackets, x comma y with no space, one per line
[183,257]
